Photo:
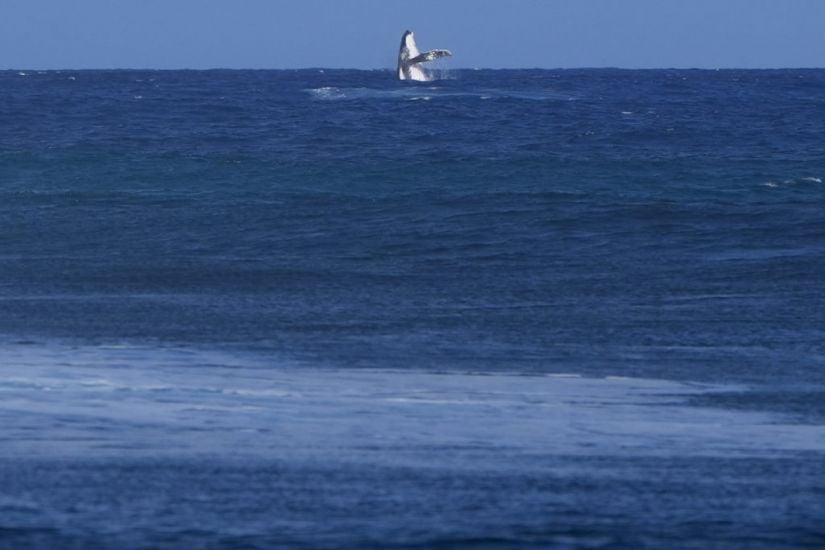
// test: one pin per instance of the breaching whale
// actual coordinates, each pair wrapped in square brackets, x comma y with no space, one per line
[410,59]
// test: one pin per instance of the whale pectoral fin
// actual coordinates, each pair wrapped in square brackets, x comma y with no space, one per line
[430,56]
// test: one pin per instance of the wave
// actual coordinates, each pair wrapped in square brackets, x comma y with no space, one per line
[417,93]
[791,181]
[211,392]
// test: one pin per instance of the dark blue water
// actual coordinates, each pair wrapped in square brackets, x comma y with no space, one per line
[664,225]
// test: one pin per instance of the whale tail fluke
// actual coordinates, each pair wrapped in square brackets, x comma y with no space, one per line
[410,59]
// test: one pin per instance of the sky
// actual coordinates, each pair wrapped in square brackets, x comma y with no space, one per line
[365,34]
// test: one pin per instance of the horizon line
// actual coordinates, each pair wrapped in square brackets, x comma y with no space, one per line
[387,69]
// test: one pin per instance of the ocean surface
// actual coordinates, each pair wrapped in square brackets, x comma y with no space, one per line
[324,308]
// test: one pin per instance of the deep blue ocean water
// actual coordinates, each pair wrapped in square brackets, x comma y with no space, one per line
[325,308]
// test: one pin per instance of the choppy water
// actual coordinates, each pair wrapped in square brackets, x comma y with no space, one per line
[324,308]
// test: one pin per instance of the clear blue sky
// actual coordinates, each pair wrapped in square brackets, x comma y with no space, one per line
[165,34]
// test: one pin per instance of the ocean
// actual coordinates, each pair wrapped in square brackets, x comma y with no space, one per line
[328,309]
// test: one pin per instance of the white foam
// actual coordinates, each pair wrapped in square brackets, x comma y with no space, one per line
[326,93]
[90,401]
[792,181]
[407,92]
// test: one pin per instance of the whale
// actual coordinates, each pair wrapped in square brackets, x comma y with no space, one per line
[410,59]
